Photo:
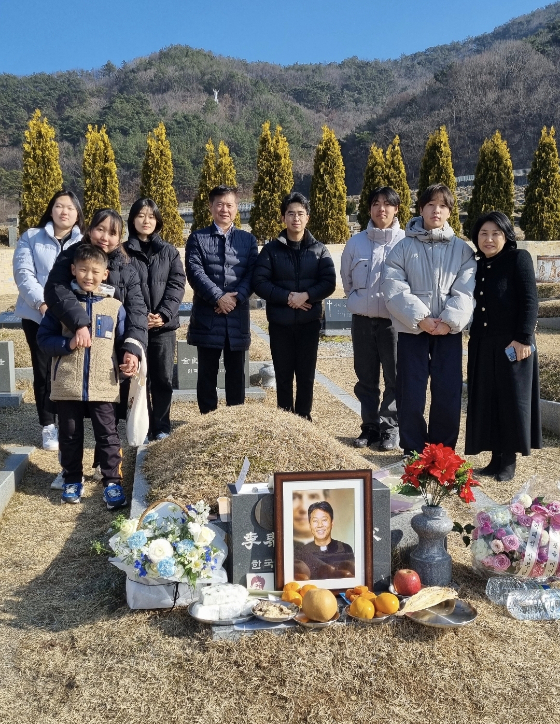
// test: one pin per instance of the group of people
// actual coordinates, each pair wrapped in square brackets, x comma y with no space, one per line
[93,306]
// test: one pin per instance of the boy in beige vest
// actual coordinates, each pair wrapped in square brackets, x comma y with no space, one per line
[85,380]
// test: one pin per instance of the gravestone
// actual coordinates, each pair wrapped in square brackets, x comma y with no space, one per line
[338,320]
[12,236]
[187,367]
[185,310]
[9,396]
[9,320]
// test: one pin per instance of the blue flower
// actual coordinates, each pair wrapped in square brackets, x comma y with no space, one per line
[208,555]
[149,517]
[166,567]
[184,546]
[137,540]
[140,568]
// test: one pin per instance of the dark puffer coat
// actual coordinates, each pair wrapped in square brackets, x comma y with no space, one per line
[280,270]
[217,265]
[162,278]
[62,302]
[503,412]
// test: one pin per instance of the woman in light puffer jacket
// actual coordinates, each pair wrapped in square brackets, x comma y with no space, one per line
[37,249]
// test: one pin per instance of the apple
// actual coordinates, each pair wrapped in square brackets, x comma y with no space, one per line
[406,582]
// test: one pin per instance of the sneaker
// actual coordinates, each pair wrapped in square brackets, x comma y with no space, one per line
[161,436]
[389,440]
[367,437]
[50,438]
[72,492]
[114,496]
[58,482]
[97,474]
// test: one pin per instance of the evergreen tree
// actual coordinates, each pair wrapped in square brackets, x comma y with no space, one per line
[493,188]
[328,192]
[436,167]
[396,178]
[375,176]
[201,212]
[41,176]
[225,173]
[101,185]
[275,180]
[157,180]
[540,219]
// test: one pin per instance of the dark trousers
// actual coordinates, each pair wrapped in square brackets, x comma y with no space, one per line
[420,356]
[294,351]
[375,347]
[41,364]
[71,416]
[206,385]
[161,354]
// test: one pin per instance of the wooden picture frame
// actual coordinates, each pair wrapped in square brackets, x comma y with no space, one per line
[339,554]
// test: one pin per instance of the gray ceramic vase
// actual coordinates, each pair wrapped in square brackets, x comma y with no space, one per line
[430,558]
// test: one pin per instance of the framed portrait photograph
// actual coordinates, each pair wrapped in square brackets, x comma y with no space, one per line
[323,527]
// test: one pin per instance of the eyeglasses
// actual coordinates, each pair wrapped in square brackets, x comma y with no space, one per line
[296,214]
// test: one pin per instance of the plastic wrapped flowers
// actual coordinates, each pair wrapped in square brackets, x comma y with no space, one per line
[169,543]
[519,539]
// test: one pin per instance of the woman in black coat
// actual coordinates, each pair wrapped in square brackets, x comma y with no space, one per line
[503,413]
[294,273]
[162,278]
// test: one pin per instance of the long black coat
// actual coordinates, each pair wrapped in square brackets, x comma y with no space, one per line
[280,270]
[217,264]
[162,278]
[503,413]
[62,302]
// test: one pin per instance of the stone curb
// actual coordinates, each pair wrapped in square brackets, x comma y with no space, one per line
[12,474]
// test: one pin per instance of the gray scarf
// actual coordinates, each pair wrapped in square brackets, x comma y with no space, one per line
[415,227]
[382,236]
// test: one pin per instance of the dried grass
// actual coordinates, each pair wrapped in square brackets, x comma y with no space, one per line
[549,309]
[549,370]
[548,290]
[22,356]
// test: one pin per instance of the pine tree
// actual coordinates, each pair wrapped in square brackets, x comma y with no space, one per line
[375,176]
[493,188]
[157,180]
[396,178]
[41,176]
[225,173]
[436,167]
[101,185]
[540,219]
[328,192]
[275,179]
[201,211]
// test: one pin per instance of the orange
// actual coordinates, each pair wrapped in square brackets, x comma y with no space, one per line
[361,589]
[353,597]
[387,603]
[370,595]
[292,597]
[362,608]
[349,592]
[293,586]
[306,588]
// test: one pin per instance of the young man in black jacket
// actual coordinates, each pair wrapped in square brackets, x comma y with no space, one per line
[294,273]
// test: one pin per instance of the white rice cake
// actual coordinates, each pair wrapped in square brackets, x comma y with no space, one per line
[223,593]
[209,613]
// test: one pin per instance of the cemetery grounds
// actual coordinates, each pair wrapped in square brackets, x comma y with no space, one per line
[72,651]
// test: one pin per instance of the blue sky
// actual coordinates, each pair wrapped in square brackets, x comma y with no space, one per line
[48,36]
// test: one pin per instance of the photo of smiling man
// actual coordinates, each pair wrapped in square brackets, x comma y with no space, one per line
[325,557]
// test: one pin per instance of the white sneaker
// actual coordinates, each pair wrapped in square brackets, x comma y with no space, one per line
[50,438]
[58,482]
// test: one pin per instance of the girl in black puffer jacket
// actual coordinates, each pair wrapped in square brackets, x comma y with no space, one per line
[162,278]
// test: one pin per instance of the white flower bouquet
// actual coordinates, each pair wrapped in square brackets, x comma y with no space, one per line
[170,544]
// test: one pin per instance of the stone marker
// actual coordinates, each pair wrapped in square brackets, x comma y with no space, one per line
[338,319]
[9,320]
[187,367]
[9,396]
[185,310]
[12,236]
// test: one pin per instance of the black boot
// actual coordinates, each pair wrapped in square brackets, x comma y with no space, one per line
[507,468]
[494,465]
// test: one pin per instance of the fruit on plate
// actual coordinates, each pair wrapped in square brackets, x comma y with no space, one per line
[292,586]
[362,608]
[308,587]
[292,597]
[386,603]
[370,595]
[319,605]
[353,593]
[429,596]
[406,582]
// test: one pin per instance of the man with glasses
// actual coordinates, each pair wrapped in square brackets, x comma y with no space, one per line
[294,273]
[219,261]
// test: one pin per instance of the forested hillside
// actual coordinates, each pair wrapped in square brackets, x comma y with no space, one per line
[506,79]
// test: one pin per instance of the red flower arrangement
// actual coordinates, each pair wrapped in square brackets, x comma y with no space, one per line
[437,473]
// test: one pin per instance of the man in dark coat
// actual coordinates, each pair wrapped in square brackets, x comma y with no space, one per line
[294,273]
[219,261]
